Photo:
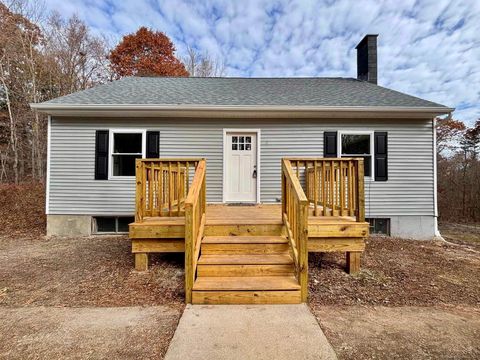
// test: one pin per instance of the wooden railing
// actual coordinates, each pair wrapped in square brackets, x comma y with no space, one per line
[195,206]
[333,186]
[162,186]
[295,219]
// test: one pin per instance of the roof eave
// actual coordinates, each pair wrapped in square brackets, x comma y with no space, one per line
[140,110]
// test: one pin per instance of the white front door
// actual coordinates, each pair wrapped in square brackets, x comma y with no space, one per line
[240,167]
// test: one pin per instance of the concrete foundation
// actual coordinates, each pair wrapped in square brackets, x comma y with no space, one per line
[69,225]
[413,227]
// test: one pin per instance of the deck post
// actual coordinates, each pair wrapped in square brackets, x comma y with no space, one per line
[353,262]
[303,240]
[189,239]
[141,261]
[284,190]
[139,170]
[360,192]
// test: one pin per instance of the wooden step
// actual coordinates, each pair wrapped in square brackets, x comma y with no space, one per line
[244,240]
[247,220]
[238,229]
[245,270]
[246,297]
[244,249]
[240,283]
[269,259]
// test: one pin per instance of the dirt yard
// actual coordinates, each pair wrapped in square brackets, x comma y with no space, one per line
[75,298]
[93,271]
[412,299]
[86,333]
[79,298]
[405,332]
[463,234]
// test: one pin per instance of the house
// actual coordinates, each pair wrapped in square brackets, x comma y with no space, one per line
[229,136]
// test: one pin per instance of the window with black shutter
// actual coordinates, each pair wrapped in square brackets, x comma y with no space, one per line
[117,150]
[372,146]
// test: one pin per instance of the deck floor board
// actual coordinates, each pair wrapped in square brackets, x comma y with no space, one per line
[220,214]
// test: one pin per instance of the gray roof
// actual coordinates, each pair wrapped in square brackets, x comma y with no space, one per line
[318,92]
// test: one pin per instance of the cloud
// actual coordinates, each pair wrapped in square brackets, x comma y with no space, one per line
[427,48]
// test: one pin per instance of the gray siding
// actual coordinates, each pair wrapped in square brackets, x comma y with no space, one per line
[409,190]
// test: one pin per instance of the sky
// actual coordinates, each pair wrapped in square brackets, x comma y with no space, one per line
[426,48]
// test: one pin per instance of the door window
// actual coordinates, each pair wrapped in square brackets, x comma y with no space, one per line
[241,143]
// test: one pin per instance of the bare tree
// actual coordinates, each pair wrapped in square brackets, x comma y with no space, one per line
[202,65]
[19,40]
[31,43]
[5,70]
[81,58]
[458,171]
[41,57]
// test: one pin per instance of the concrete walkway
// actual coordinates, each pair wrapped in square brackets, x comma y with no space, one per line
[249,332]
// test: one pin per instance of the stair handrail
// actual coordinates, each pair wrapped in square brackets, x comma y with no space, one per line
[195,217]
[295,219]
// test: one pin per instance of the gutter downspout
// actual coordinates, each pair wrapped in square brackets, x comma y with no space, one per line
[437,234]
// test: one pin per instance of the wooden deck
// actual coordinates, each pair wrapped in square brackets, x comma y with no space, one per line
[325,234]
[249,254]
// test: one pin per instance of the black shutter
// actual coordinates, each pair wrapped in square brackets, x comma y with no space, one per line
[153,144]
[101,155]
[381,156]
[330,144]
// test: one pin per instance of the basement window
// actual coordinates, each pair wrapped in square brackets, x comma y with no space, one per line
[379,226]
[111,225]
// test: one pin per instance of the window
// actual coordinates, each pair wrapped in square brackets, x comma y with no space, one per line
[125,148]
[379,226]
[241,143]
[357,145]
[110,225]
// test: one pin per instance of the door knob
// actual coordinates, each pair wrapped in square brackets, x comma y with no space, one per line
[254,175]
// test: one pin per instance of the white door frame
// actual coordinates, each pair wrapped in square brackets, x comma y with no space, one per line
[237,130]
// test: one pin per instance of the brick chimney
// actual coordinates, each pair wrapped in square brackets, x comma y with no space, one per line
[367,59]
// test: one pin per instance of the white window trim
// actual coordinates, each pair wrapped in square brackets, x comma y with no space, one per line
[372,147]
[232,130]
[111,132]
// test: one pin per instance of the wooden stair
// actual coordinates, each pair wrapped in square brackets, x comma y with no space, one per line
[248,269]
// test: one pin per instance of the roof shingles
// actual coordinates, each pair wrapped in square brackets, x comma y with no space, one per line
[328,92]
